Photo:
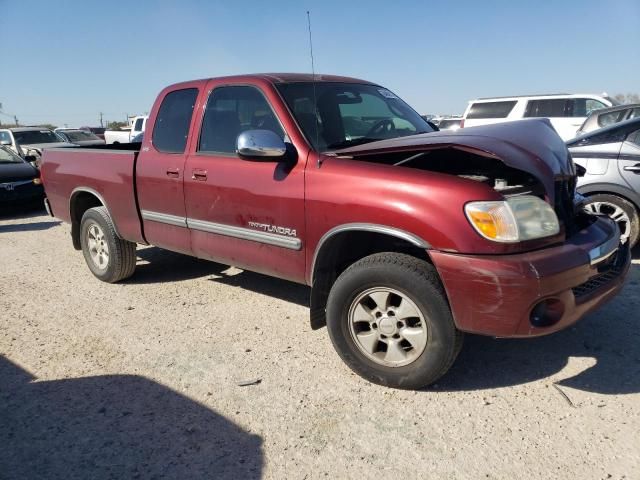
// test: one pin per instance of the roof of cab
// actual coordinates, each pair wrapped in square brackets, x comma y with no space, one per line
[279,78]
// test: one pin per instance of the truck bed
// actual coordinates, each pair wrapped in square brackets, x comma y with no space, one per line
[107,171]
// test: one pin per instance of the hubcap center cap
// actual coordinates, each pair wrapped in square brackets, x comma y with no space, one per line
[387,326]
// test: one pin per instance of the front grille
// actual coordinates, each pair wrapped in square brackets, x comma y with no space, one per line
[612,270]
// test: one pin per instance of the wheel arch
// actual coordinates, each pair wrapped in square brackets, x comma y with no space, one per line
[331,257]
[81,200]
[610,189]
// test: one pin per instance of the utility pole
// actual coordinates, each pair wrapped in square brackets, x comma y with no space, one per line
[101,120]
[16,120]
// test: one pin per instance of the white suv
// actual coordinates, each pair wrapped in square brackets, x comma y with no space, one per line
[566,112]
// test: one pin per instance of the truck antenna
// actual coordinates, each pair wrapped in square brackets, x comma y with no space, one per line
[313,81]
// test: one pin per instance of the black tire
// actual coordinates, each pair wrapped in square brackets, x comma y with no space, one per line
[121,261]
[415,279]
[624,204]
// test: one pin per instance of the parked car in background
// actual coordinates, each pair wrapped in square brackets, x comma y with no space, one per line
[452,123]
[407,236]
[31,140]
[79,137]
[567,112]
[608,116]
[138,125]
[98,131]
[19,180]
[611,184]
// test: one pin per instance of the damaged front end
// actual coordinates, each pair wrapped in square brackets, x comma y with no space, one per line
[514,159]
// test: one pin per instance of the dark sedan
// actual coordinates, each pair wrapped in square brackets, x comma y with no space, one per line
[19,181]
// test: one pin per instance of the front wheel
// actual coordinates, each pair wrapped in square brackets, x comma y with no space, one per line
[623,212]
[389,320]
[109,257]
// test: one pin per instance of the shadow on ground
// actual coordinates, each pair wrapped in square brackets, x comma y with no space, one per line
[163,266]
[115,426]
[610,336]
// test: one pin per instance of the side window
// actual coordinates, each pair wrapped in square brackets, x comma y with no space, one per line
[231,111]
[634,137]
[635,113]
[5,137]
[582,107]
[555,107]
[491,109]
[610,118]
[172,123]
[138,125]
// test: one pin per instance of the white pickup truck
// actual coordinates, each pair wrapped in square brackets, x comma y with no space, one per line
[125,135]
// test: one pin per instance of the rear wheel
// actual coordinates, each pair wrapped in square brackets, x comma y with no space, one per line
[109,257]
[390,322]
[623,212]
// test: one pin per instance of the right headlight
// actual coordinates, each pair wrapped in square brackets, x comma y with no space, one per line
[514,220]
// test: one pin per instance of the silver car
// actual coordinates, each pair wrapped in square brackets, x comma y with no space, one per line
[611,183]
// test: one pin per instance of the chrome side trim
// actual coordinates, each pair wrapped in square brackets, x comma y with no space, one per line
[174,220]
[367,227]
[99,197]
[274,239]
[606,249]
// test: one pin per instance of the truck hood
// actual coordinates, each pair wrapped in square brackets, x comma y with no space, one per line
[532,146]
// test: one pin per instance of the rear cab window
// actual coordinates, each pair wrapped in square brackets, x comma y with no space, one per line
[171,129]
[491,109]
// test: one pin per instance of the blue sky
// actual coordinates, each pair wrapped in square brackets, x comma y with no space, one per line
[65,61]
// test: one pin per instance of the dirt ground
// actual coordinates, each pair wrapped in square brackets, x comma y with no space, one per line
[140,380]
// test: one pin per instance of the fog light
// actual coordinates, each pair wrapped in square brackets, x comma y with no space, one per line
[37,181]
[546,313]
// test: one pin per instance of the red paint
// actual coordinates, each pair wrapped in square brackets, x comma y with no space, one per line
[491,286]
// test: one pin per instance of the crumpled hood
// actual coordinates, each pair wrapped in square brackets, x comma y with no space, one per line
[529,145]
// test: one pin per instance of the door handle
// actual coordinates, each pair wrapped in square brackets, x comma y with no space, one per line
[634,168]
[200,175]
[173,173]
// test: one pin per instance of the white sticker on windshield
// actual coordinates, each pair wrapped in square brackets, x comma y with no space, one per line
[386,93]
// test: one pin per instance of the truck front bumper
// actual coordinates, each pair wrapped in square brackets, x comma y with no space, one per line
[535,293]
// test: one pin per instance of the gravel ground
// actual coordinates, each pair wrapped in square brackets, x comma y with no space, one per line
[140,380]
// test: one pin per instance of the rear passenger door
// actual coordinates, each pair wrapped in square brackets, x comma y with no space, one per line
[160,170]
[243,212]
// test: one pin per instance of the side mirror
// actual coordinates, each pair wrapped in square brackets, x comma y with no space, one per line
[30,158]
[261,145]
[580,170]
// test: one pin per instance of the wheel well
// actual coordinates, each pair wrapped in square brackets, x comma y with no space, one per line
[340,251]
[80,203]
[614,194]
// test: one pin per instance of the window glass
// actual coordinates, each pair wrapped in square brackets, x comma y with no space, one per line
[610,118]
[231,111]
[336,115]
[582,107]
[31,137]
[635,113]
[634,137]
[138,125]
[546,108]
[7,156]
[172,123]
[491,109]
[5,137]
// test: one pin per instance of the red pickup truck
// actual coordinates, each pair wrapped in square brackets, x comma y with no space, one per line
[408,237]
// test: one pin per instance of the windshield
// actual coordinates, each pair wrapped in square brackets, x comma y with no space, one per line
[348,114]
[80,135]
[31,137]
[7,156]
